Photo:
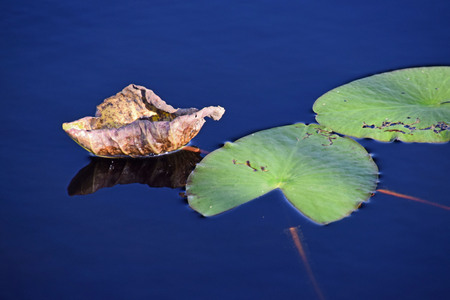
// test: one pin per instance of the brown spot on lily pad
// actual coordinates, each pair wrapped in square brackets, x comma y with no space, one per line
[137,123]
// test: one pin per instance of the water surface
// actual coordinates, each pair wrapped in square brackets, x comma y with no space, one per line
[266,62]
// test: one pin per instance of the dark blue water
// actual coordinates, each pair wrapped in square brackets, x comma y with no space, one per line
[264,61]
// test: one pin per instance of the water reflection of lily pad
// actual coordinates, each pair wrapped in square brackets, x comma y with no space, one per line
[137,123]
[411,105]
[169,170]
[322,174]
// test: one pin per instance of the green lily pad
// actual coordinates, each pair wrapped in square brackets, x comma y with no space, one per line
[323,175]
[411,105]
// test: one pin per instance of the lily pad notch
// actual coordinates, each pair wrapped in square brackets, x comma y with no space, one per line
[325,176]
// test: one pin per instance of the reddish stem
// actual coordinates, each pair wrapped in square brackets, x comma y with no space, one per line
[392,193]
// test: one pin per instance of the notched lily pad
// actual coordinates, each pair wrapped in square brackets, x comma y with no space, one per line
[137,123]
[411,105]
[325,176]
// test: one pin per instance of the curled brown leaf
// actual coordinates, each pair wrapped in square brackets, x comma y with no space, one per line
[137,123]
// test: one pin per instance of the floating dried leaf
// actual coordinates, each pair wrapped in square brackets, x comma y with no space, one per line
[137,123]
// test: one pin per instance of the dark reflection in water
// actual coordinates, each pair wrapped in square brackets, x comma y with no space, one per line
[169,170]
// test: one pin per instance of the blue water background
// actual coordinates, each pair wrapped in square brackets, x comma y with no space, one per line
[266,62]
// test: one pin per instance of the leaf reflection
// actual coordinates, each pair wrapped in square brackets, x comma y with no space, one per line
[169,170]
